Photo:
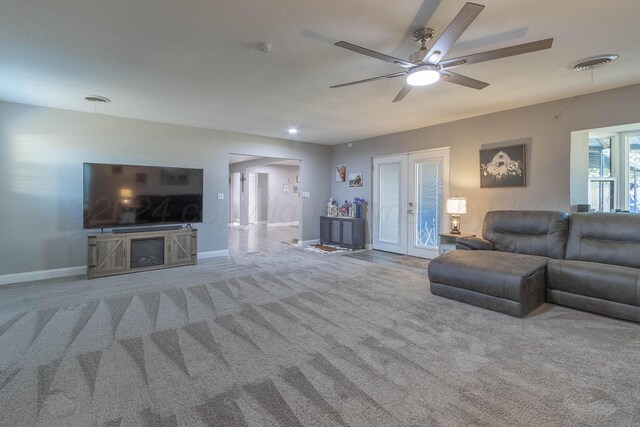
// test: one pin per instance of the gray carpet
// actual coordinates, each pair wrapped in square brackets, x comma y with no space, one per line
[297,338]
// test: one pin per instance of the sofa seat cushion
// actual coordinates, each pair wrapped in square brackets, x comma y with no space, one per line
[595,280]
[513,278]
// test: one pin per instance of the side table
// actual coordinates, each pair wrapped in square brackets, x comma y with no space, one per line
[448,242]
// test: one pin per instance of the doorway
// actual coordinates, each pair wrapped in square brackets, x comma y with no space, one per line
[264,202]
[409,194]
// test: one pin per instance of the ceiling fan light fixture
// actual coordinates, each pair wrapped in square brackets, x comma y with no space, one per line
[423,75]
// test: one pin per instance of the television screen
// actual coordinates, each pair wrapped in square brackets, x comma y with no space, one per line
[127,195]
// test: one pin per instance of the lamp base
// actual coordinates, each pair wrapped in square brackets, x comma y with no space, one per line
[455,224]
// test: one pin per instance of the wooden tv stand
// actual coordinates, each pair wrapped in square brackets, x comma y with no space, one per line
[110,254]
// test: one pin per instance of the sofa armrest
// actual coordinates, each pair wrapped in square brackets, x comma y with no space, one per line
[473,243]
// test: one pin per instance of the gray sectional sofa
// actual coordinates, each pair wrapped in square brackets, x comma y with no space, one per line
[588,261]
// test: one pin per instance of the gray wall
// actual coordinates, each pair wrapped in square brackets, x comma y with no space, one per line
[41,156]
[547,128]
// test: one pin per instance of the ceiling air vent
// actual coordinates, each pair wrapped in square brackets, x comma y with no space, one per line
[593,62]
[97,99]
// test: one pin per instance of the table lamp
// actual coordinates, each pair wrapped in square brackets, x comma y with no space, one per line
[456,206]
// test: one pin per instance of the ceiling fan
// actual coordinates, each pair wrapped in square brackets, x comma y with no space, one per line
[426,66]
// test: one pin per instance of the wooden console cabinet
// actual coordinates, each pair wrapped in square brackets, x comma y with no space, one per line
[111,254]
[342,231]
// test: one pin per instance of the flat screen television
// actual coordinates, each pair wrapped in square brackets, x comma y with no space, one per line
[129,195]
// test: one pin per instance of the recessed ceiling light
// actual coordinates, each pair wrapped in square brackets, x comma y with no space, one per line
[97,98]
[293,131]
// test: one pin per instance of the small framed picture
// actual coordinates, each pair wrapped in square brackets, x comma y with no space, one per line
[355,179]
[503,167]
[294,188]
[341,173]
[286,189]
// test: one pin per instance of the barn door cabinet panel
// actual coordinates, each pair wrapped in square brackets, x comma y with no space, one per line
[107,255]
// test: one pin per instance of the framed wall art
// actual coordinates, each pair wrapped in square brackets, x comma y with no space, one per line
[355,179]
[503,167]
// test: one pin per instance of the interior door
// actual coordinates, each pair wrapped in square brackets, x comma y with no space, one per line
[409,193]
[389,204]
[428,190]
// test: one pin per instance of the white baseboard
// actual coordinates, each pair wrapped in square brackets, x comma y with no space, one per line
[282,224]
[369,246]
[30,276]
[308,242]
[261,222]
[213,254]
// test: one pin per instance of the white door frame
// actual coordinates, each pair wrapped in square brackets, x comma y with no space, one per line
[406,196]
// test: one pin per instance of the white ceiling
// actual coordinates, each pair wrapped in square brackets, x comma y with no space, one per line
[197,62]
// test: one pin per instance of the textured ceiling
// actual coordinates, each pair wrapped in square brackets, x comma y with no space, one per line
[197,62]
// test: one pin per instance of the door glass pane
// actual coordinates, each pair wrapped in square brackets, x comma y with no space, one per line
[389,208]
[634,173]
[428,195]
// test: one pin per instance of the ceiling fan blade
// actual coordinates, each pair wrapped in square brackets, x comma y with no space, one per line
[374,54]
[497,53]
[451,77]
[450,35]
[403,92]
[388,76]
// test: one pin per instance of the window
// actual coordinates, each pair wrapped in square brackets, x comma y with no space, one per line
[633,158]
[614,169]
[602,182]
[600,158]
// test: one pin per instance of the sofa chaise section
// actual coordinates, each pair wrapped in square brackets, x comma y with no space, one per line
[510,283]
[506,269]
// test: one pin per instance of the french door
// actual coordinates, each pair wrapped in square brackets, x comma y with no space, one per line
[409,193]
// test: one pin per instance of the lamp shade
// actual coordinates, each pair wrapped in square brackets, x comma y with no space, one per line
[456,205]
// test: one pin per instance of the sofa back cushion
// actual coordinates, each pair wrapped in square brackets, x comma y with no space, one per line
[608,238]
[542,233]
